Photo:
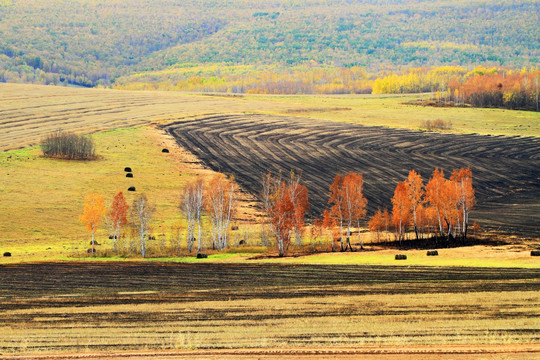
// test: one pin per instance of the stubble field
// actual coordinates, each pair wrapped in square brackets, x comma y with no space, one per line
[91,307]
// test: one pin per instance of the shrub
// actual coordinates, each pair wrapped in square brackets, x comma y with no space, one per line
[437,125]
[67,145]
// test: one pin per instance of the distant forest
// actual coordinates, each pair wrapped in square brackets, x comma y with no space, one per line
[113,42]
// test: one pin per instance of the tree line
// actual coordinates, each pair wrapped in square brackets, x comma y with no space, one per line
[456,86]
[439,210]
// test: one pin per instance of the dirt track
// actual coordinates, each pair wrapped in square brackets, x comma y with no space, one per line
[506,169]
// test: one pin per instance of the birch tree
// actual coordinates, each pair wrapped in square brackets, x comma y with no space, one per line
[93,213]
[349,204]
[400,210]
[465,197]
[141,215]
[299,198]
[415,192]
[221,202]
[188,206]
[118,217]
[284,217]
[435,196]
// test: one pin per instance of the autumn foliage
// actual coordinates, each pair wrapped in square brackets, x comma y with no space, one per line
[348,204]
[285,204]
[118,216]
[93,213]
[441,207]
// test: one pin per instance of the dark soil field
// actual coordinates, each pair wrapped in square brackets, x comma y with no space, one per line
[506,170]
[117,306]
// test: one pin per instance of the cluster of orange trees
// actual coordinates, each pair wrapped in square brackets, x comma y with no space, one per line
[439,208]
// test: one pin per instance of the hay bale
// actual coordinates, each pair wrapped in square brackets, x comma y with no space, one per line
[401,257]
[432,253]
[131,188]
[535,252]
[165,150]
[234,228]
[242,242]
[129,175]
[7,254]
[95,243]
[127,169]
[91,251]
[201,256]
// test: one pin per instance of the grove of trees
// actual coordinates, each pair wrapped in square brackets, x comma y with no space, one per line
[66,145]
[438,210]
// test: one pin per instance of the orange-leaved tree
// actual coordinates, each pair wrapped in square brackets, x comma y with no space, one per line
[299,198]
[400,210]
[118,216]
[280,209]
[376,224]
[93,213]
[330,223]
[435,196]
[415,192]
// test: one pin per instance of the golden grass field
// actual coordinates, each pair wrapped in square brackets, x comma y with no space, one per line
[27,112]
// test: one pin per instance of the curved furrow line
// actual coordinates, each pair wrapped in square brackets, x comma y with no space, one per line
[506,170]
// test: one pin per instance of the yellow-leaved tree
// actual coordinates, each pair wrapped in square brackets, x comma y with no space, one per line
[93,213]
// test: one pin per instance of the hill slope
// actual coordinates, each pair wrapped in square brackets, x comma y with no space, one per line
[92,42]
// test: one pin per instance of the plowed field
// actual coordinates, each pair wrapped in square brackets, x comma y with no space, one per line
[506,170]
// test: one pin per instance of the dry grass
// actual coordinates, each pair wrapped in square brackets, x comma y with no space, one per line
[28,112]
[43,197]
[264,306]
[391,111]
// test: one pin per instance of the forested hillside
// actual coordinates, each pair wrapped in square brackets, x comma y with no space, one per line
[91,42]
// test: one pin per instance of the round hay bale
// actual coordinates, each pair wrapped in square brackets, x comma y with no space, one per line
[91,251]
[95,243]
[401,257]
[131,188]
[129,175]
[432,253]
[234,228]
[165,150]
[7,254]
[242,242]
[201,256]
[535,252]
[127,169]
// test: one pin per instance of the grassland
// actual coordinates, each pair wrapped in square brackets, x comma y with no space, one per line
[41,198]
[393,111]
